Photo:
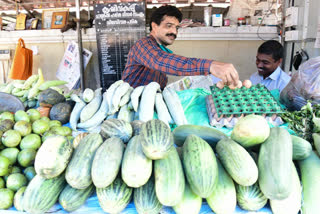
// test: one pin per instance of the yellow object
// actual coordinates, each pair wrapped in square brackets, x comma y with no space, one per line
[22,62]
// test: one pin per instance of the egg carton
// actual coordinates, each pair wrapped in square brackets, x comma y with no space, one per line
[230,120]
[257,99]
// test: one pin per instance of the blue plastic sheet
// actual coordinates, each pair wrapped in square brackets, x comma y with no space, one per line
[92,206]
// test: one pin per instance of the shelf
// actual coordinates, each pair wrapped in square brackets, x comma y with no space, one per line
[196,33]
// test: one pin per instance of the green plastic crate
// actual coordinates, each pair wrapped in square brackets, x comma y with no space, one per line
[256,99]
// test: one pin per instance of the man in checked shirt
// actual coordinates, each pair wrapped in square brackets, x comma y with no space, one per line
[149,59]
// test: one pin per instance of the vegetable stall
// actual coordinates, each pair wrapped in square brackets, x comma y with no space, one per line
[142,150]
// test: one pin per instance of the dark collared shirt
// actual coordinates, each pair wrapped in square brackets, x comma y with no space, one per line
[147,62]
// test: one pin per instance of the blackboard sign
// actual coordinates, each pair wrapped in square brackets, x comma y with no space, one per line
[118,27]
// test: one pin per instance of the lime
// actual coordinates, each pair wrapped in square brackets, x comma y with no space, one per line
[61,130]
[34,114]
[26,157]
[16,181]
[45,119]
[11,138]
[29,172]
[40,126]
[15,169]
[53,123]
[31,141]
[46,135]
[6,198]
[18,199]
[5,166]
[6,115]
[1,183]
[23,127]
[11,154]
[21,115]
[6,125]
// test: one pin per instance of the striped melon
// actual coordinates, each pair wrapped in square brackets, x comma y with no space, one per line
[250,197]
[145,199]
[200,166]
[190,203]
[78,173]
[41,194]
[136,168]
[237,162]
[71,199]
[223,199]
[170,180]
[116,128]
[53,156]
[115,197]
[107,161]
[156,139]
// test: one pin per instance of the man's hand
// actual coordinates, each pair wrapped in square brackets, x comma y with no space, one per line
[226,72]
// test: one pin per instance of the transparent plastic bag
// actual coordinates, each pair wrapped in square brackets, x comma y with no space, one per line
[304,85]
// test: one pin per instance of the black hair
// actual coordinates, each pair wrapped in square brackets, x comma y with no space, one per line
[272,47]
[168,10]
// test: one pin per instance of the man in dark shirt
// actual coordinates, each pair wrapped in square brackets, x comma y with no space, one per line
[149,60]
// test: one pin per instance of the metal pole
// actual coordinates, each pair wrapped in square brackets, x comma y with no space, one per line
[80,44]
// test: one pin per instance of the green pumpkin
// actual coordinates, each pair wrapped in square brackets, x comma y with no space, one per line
[61,112]
[50,97]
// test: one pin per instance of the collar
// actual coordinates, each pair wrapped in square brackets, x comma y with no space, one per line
[275,74]
[164,48]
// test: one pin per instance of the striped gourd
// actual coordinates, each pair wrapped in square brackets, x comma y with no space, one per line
[275,158]
[126,98]
[190,203]
[237,162]
[169,179]
[145,199]
[107,162]
[200,166]
[135,97]
[78,173]
[292,204]
[115,197]
[71,199]
[156,139]
[118,94]
[223,199]
[110,92]
[174,106]
[88,111]
[53,156]
[75,114]
[98,116]
[147,101]
[87,95]
[136,167]
[162,110]
[250,197]
[41,194]
[116,128]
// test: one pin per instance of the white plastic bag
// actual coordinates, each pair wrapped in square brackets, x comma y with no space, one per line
[304,85]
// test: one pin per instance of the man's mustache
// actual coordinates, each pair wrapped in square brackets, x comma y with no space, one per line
[171,34]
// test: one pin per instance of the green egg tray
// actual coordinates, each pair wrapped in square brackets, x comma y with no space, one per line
[256,99]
